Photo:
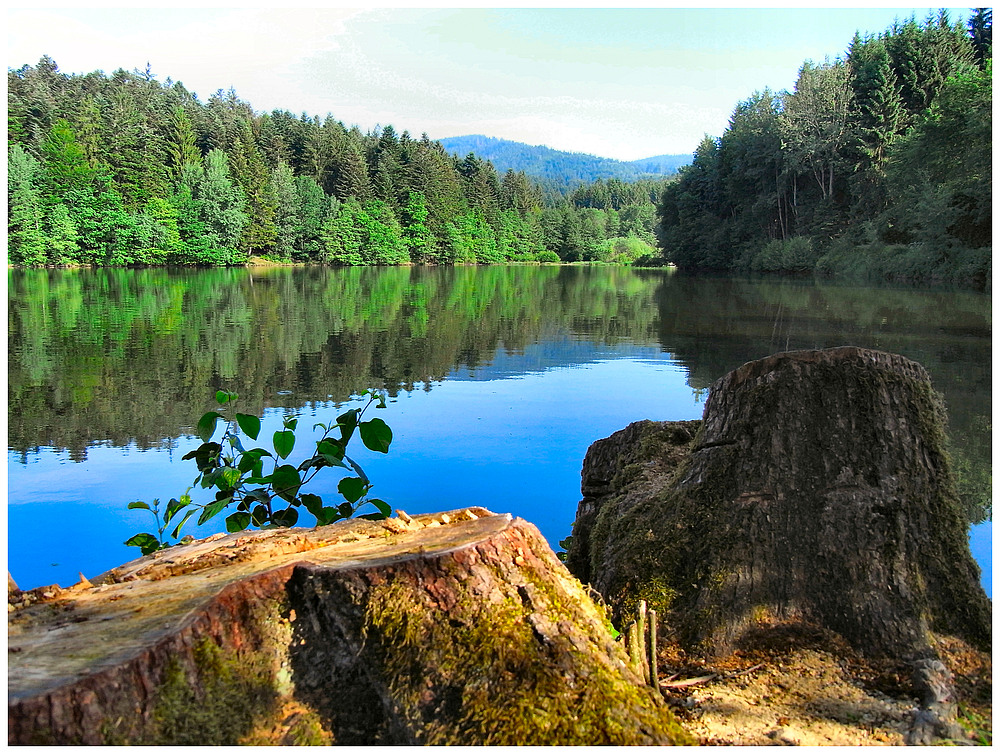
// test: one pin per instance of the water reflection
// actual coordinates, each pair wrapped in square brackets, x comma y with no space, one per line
[105,360]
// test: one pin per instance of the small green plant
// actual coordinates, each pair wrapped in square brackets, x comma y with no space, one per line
[273,499]
[980,728]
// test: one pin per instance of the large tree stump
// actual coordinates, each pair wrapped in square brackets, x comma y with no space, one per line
[816,488]
[458,628]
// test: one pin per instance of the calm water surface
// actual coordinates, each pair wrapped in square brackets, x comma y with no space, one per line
[500,378]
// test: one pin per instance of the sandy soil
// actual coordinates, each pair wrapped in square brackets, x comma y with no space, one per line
[807,688]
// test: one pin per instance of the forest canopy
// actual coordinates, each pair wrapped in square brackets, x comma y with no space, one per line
[876,163]
[126,170]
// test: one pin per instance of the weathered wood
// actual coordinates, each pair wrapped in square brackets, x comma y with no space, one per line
[653,678]
[461,628]
[817,488]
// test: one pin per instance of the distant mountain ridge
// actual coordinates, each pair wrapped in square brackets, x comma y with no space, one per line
[558,170]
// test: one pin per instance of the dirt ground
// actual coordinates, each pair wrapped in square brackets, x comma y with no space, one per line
[800,687]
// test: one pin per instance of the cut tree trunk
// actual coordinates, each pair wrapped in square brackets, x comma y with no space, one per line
[458,628]
[816,488]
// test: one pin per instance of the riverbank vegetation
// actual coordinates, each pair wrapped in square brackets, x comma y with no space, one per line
[878,164]
[126,170]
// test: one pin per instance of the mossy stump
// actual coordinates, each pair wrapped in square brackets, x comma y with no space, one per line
[458,628]
[816,488]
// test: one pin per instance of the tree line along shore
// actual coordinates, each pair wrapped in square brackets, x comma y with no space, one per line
[876,164]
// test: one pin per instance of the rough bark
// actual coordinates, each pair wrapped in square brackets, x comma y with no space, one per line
[816,488]
[459,628]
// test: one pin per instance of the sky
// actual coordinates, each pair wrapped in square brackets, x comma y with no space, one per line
[620,83]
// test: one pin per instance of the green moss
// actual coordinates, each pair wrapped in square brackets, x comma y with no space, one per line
[225,693]
[308,731]
[218,708]
[491,682]
[688,551]
[656,592]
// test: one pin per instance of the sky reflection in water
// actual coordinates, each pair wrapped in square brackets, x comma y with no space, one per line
[512,445]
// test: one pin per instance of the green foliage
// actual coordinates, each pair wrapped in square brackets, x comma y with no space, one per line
[979,727]
[145,174]
[222,209]
[793,255]
[240,480]
[888,146]
[26,238]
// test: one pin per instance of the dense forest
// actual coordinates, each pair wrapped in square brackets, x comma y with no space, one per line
[557,172]
[877,164]
[126,170]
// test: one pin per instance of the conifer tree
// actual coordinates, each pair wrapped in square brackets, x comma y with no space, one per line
[26,240]
[981,32]
[183,147]
[352,178]
[877,118]
[286,211]
[250,173]
[417,234]
[222,209]
[313,209]
[66,164]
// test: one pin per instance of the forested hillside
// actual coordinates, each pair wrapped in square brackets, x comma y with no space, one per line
[878,163]
[126,170]
[558,172]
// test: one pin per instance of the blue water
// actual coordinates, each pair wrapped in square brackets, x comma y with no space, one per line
[511,444]
[517,371]
[514,444]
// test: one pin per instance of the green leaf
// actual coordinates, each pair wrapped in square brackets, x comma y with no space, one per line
[251,458]
[287,517]
[382,505]
[260,515]
[223,397]
[260,494]
[290,422]
[347,422]
[146,543]
[329,516]
[206,425]
[249,424]
[284,441]
[352,488]
[313,504]
[177,529]
[206,455]
[332,452]
[286,482]
[175,505]
[228,476]
[358,470]
[346,510]
[237,522]
[376,435]
[139,504]
[212,509]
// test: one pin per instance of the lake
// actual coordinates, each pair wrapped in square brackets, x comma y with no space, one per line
[499,380]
